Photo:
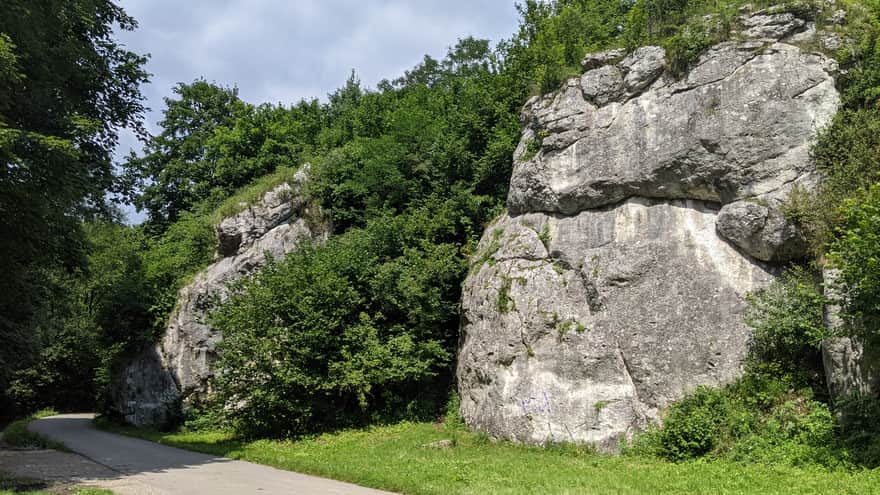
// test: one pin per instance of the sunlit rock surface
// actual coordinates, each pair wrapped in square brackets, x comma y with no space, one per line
[643,208]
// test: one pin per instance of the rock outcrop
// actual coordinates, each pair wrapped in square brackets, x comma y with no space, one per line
[643,207]
[852,366]
[150,388]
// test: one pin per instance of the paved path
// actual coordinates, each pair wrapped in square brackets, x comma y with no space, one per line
[138,467]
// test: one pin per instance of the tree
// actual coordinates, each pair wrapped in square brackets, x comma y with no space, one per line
[66,88]
[176,171]
[213,143]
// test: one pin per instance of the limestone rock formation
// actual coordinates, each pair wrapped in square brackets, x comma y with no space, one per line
[151,387]
[643,208]
[852,368]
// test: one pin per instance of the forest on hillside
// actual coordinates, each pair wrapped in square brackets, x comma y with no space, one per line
[363,329]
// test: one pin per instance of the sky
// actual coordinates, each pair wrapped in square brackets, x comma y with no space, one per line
[282,51]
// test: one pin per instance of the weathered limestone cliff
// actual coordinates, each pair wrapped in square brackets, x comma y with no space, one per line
[643,208]
[151,387]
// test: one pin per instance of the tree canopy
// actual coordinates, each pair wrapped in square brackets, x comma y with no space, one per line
[66,88]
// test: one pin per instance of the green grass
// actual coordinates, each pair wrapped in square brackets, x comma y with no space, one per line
[17,434]
[394,458]
[252,193]
[12,485]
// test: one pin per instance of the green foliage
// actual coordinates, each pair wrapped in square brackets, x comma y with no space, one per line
[787,321]
[504,303]
[846,152]
[174,257]
[354,330]
[554,36]
[859,429]
[856,253]
[66,88]
[447,128]
[97,314]
[212,144]
[759,418]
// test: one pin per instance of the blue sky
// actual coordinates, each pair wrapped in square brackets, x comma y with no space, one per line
[282,51]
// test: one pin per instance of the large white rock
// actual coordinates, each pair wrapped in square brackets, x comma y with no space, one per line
[582,328]
[617,281]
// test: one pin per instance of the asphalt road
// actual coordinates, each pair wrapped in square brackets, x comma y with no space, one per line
[150,468]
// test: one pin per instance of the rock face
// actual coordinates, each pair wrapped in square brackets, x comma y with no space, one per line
[642,209]
[149,390]
[852,367]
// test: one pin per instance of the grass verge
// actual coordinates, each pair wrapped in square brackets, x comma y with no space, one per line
[17,434]
[396,458]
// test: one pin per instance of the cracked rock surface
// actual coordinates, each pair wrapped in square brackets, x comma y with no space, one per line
[149,389]
[617,281]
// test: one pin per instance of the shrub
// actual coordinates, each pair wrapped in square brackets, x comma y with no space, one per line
[856,253]
[692,426]
[859,429]
[356,330]
[788,327]
[760,417]
[174,257]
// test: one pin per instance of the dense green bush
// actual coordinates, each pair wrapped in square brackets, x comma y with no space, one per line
[859,428]
[175,256]
[788,327]
[856,253]
[98,314]
[67,87]
[759,418]
[212,144]
[358,329]
[554,36]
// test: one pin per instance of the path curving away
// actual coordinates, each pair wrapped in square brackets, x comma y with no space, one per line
[154,469]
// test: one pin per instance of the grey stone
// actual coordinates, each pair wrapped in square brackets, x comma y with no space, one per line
[831,41]
[603,85]
[767,25]
[642,67]
[151,386]
[807,35]
[240,231]
[852,365]
[739,125]
[631,307]
[595,60]
[761,231]
[143,392]
[617,281]
[838,17]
